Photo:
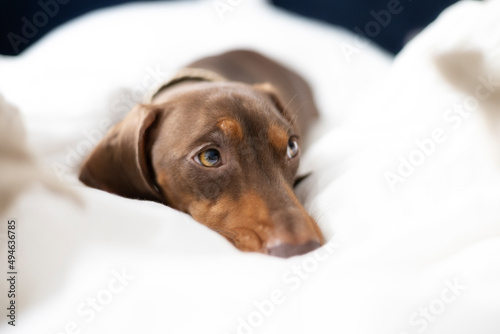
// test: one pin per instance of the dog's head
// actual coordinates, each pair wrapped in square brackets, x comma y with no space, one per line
[226,153]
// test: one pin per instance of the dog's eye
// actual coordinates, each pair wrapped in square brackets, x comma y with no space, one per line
[209,158]
[293,147]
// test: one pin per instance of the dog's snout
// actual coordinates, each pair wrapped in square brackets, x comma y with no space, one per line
[288,250]
[294,233]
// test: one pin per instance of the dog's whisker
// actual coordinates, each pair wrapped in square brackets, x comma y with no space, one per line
[225,233]
[289,102]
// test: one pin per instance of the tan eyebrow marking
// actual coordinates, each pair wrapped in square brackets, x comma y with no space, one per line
[278,137]
[230,127]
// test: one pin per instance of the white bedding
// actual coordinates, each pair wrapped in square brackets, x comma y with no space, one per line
[420,256]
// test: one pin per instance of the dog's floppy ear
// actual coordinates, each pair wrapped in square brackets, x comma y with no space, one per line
[120,164]
[274,95]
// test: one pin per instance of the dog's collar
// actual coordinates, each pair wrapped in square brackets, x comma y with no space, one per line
[189,73]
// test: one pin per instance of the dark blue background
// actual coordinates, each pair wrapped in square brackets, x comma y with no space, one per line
[350,14]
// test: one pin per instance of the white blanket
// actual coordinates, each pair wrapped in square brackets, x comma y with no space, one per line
[405,184]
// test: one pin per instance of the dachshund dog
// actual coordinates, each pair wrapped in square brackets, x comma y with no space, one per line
[221,141]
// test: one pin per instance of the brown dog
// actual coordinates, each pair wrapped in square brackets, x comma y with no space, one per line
[218,142]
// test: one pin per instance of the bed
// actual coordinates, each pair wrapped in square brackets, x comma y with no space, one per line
[405,182]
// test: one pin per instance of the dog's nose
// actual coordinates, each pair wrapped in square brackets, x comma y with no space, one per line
[288,250]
